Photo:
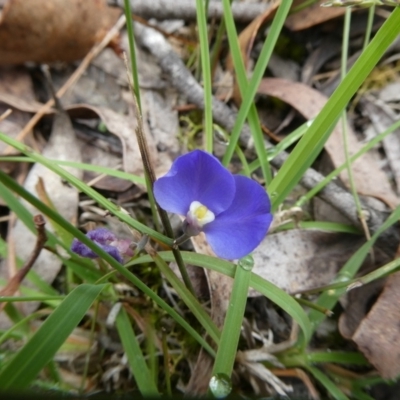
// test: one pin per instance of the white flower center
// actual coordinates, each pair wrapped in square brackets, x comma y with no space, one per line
[199,215]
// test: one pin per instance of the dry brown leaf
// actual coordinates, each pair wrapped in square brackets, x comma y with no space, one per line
[312,15]
[46,31]
[378,334]
[123,127]
[248,35]
[382,117]
[15,84]
[297,260]
[163,130]
[370,180]
[357,304]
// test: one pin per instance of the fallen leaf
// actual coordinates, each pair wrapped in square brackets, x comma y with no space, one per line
[297,259]
[378,334]
[68,28]
[357,304]
[328,48]
[312,15]
[382,117]
[16,92]
[248,35]
[163,130]
[369,179]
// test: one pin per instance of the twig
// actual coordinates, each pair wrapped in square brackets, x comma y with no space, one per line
[5,114]
[71,81]
[186,9]
[16,280]
[186,84]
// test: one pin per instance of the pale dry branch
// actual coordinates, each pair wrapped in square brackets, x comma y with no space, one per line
[186,9]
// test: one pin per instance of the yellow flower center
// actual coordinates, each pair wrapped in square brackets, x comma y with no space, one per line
[199,214]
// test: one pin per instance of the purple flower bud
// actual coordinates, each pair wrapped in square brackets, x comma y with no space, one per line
[105,239]
[232,210]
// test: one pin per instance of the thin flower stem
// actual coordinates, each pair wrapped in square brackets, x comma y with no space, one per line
[345,47]
[314,306]
[181,239]
[150,179]
[368,30]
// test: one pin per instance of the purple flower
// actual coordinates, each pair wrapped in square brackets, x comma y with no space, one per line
[232,210]
[105,239]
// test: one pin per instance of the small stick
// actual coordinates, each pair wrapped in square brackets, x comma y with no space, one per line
[5,114]
[16,280]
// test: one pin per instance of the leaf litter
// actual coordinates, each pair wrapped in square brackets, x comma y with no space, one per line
[295,260]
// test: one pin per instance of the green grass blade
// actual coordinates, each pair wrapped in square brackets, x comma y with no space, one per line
[340,357]
[227,349]
[86,167]
[320,226]
[188,298]
[276,295]
[330,386]
[206,70]
[314,139]
[135,356]
[42,346]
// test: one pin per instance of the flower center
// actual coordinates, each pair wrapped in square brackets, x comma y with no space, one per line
[198,216]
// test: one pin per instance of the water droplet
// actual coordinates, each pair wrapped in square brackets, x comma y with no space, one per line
[220,385]
[343,277]
[247,262]
[273,195]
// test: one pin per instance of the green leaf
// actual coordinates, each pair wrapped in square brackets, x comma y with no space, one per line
[43,345]
[135,355]
[276,295]
[330,386]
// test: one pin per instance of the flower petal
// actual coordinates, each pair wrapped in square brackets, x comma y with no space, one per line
[196,176]
[81,249]
[241,228]
[101,235]
[113,252]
